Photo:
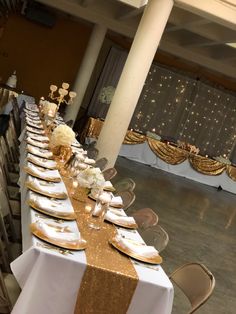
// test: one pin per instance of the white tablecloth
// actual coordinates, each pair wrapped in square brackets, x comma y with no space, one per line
[142,153]
[50,281]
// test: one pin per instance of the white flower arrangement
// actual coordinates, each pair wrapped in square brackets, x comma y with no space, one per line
[91,178]
[106,94]
[62,135]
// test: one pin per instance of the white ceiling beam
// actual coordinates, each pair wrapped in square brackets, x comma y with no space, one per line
[199,22]
[98,15]
[128,13]
[207,62]
[213,10]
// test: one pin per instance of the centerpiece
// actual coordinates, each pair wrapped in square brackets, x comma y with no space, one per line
[61,139]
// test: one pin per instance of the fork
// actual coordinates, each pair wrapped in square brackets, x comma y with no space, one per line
[53,248]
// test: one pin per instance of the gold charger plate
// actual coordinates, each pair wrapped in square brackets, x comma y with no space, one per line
[151,260]
[35,153]
[36,175]
[130,226]
[33,161]
[32,187]
[76,245]
[38,144]
[55,214]
[36,131]
[34,125]
[94,199]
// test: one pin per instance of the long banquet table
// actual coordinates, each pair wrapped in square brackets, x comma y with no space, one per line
[87,281]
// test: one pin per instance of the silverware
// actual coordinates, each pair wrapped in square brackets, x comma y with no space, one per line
[153,267]
[59,221]
[53,248]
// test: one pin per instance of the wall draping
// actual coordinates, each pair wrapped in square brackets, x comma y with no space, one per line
[175,106]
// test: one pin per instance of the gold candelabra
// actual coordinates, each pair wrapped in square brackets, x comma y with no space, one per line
[63,92]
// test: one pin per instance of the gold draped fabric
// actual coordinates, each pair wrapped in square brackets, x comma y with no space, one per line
[133,138]
[231,172]
[206,165]
[92,129]
[110,278]
[170,154]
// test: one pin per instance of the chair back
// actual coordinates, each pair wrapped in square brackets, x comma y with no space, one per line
[196,282]
[5,301]
[145,218]
[128,197]
[101,163]
[109,173]
[155,236]
[126,184]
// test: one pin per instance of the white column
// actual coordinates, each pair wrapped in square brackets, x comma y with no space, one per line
[132,79]
[86,69]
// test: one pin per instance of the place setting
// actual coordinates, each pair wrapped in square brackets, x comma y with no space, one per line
[37,137]
[42,173]
[40,152]
[34,130]
[37,143]
[60,209]
[50,189]
[42,162]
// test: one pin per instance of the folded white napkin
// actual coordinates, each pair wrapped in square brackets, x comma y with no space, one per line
[78,150]
[33,117]
[107,185]
[37,137]
[37,143]
[52,205]
[46,174]
[31,113]
[116,201]
[32,107]
[47,187]
[52,233]
[89,161]
[34,130]
[124,220]
[76,144]
[117,211]
[39,151]
[34,125]
[47,163]
[142,250]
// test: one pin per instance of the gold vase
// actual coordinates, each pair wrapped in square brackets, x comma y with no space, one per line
[62,154]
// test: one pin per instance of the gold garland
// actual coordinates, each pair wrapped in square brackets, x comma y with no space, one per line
[133,138]
[170,154]
[231,172]
[206,165]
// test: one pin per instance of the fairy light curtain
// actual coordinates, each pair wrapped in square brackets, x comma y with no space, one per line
[175,107]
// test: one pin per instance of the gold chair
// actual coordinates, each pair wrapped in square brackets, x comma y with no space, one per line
[196,282]
[109,173]
[126,184]
[128,197]
[155,236]
[145,218]
[101,163]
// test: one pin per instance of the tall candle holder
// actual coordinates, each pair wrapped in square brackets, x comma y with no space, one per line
[63,92]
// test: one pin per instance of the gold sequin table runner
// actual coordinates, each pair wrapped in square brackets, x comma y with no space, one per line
[110,279]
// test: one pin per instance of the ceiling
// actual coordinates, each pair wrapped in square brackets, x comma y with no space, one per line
[193,34]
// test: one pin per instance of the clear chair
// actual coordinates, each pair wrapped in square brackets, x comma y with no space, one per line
[109,173]
[145,218]
[101,163]
[9,292]
[126,184]
[128,198]
[155,236]
[196,282]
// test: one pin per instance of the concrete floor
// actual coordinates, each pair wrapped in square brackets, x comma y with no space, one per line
[201,223]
